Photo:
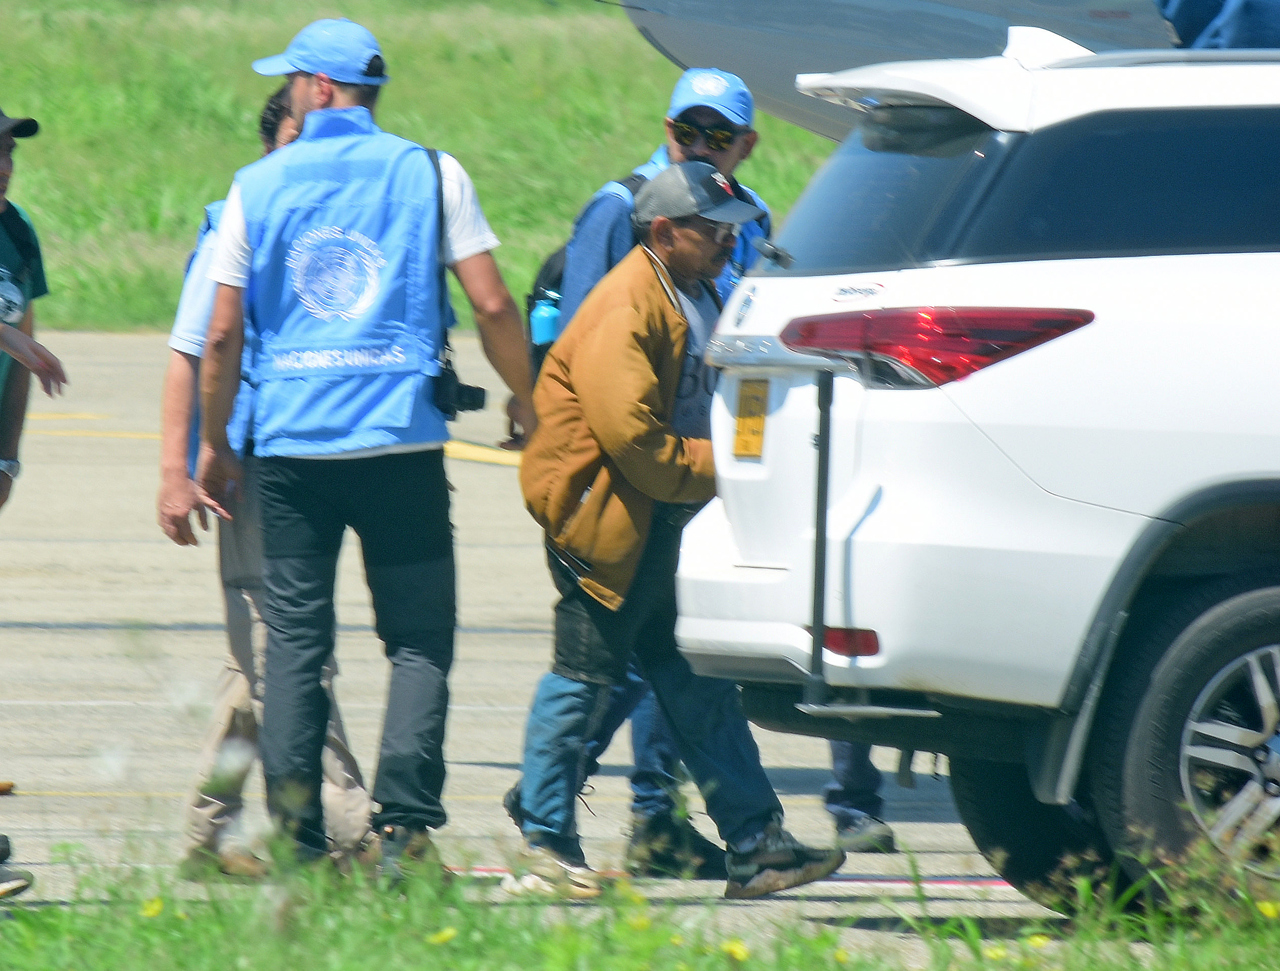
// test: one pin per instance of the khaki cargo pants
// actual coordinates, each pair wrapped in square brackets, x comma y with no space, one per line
[213,815]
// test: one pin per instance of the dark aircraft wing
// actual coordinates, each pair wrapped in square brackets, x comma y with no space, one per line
[769,42]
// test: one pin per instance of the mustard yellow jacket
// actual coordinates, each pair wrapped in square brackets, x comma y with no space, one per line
[604,450]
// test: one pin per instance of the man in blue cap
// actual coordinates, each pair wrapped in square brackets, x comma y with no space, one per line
[709,120]
[332,299]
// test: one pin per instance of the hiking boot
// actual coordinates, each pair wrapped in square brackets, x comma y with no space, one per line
[402,851]
[13,882]
[778,861]
[666,845]
[237,862]
[540,871]
[866,834]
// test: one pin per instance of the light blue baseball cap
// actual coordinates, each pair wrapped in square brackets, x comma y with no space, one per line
[342,49]
[708,87]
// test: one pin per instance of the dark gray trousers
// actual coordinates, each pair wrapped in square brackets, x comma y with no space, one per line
[399,507]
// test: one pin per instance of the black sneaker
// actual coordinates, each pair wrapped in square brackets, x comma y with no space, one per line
[511,803]
[778,862]
[666,845]
[866,834]
[13,882]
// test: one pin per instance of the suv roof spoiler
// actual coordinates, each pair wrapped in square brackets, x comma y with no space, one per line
[977,86]
[996,90]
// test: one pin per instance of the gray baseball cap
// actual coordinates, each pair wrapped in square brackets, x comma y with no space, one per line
[692,189]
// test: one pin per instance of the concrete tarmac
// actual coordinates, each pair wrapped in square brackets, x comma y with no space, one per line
[111,641]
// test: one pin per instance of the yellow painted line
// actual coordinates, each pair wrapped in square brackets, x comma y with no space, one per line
[89,433]
[471,452]
[463,451]
[64,416]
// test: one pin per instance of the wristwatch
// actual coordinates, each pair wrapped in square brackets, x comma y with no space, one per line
[10,467]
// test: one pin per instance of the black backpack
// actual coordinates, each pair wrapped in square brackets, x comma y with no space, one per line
[545,296]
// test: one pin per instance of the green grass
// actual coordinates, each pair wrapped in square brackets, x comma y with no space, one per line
[148,108]
[321,922]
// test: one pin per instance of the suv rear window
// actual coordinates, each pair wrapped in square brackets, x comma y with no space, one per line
[912,186]
[876,202]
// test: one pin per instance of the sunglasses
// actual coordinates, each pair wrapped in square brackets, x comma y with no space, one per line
[720,233]
[718,138]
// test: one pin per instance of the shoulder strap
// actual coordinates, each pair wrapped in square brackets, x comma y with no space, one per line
[443,281]
[19,234]
[633,182]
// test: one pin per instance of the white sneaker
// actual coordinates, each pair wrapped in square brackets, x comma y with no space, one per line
[540,871]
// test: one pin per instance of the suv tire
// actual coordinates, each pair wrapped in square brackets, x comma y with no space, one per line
[1160,783]
[1041,850]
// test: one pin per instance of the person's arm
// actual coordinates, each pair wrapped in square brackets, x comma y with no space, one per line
[501,332]
[29,356]
[177,497]
[34,357]
[218,472]
[602,236]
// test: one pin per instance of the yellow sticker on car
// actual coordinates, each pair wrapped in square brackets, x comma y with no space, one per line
[753,403]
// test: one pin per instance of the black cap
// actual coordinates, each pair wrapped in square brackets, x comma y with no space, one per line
[17,127]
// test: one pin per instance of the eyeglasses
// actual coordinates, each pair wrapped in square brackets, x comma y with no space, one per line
[717,137]
[720,233]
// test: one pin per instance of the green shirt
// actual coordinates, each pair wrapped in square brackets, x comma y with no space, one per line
[21,281]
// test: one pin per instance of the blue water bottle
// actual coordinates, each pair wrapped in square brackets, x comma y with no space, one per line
[544,319]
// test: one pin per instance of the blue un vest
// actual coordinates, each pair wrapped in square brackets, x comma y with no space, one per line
[744,253]
[345,316]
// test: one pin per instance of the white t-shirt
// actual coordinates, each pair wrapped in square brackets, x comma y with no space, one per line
[467,232]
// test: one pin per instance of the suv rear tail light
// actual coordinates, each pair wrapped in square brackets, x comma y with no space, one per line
[850,641]
[931,345]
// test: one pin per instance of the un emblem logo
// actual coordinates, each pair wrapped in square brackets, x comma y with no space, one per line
[335,272]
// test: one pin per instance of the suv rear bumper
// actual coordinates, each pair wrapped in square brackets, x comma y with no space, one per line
[978,583]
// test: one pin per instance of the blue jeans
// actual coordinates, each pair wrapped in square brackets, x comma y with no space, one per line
[855,788]
[653,745]
[592,648]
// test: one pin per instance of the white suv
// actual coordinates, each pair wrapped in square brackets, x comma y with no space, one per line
[1044,292]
